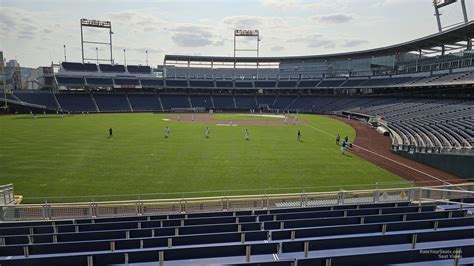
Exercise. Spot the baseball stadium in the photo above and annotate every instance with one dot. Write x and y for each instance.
(346, 158)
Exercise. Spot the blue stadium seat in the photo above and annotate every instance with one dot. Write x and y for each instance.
(70, 80)
(76, 102)
(79, 66)
(152, 83)
(201, 83)
(139, 69)
(144, 102)
(112, 68)
(126, 81)
(45, 98)
(176, 83)
(99, 81)
(174, 101)
(112, 102)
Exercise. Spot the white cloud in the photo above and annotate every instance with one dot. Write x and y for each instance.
(314, 41)
(333, 18)
(35, 33)
(280, 4)
(353, 43)
(278, 48)
(253, 22)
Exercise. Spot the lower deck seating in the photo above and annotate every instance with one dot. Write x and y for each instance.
(112, 103)
(76, 102)
(201, 101)
(41, 98)
(174, 101)
(245, 101)
(144, 102)
(369, 234)
(224, 101)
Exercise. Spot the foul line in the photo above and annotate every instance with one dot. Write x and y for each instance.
(384, 157)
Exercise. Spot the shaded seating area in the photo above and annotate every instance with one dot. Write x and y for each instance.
(70, 66)
(245, 101)
(45, 98)
(224, 101)
(70, 81)
(112, 102)
(152, 83)
(174, 101)
(99, 82)
(112, 68)
(76, 102)
(144, 102)
(138, 69)
(201, 101)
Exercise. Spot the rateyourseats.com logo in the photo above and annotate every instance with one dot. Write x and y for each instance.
(443, 253)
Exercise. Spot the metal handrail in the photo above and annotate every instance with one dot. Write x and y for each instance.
(182, 194)
(77, 210)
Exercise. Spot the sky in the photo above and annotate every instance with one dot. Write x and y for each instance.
(34, 32)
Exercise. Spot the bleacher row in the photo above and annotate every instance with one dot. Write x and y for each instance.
(88, 67)
(439, 124)
(445, 79)
(371, 234)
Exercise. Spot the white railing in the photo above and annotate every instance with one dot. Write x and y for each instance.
(77, 210)
(7, 195)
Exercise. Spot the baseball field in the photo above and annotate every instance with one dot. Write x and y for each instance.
(73, 158)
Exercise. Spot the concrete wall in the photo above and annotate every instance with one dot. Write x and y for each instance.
(460, 165)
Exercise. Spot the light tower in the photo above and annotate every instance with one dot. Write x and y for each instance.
(246, 34)
(438, 4)
(90, 23)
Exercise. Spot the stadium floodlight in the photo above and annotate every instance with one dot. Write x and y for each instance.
(92, 23)
(442, 3)
(247, 33)
(438, 4)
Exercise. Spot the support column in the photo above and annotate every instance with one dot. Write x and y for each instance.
(464, 11)
(437, 15)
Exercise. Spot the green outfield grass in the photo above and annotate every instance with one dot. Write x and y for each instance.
(72, 156)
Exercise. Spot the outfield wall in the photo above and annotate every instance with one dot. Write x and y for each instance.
(460, 165)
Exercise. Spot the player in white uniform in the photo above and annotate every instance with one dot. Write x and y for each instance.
(167, 132)
(207, 132)
(246, 134)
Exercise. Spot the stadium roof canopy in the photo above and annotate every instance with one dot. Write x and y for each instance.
(431, 43)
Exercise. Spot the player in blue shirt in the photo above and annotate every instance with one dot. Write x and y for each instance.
(343, 146)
